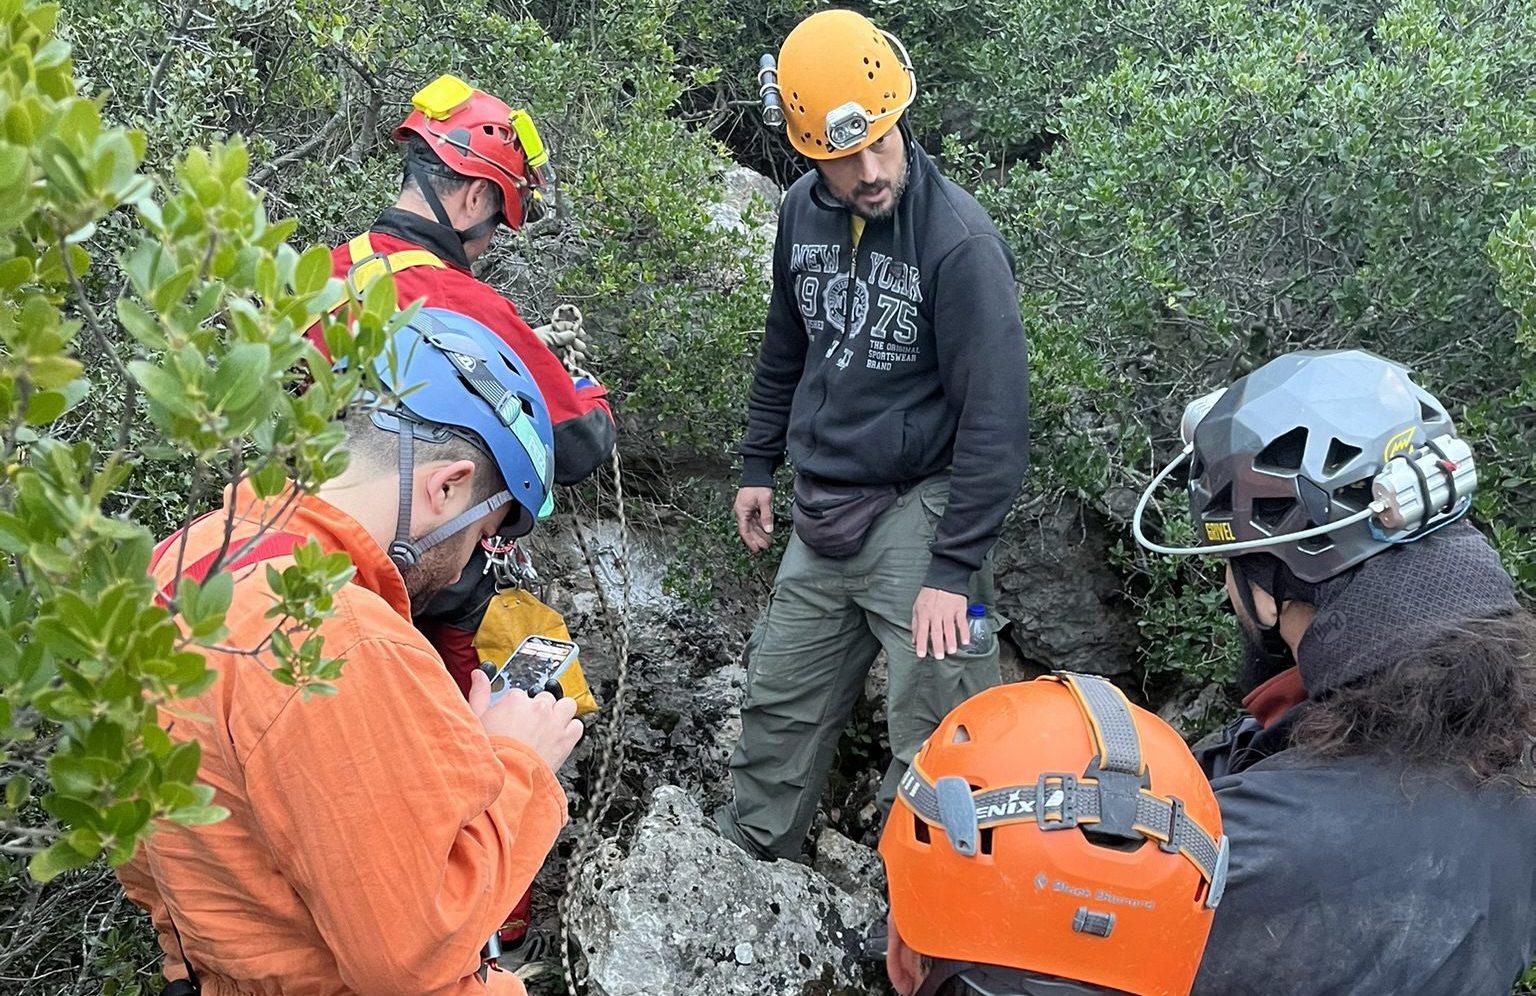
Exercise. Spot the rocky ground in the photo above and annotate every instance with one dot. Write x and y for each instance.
(662, 904)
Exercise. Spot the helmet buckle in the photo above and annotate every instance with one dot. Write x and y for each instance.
(1119, 792)
(1175, 821)
(1056, 801)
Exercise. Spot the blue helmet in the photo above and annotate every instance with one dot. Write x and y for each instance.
(448, 375)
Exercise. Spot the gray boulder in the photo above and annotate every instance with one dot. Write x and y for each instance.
(686, 913)
(1066, 603)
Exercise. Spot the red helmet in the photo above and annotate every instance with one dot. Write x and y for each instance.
(477, 135)
(1051, 828)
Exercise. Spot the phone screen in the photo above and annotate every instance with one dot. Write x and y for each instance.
(537, 659)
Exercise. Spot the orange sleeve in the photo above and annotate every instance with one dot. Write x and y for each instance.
(139, 885)
(404, 830)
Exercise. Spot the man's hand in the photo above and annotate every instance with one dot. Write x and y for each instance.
(938, 619)
(543, 723)
(754, 518)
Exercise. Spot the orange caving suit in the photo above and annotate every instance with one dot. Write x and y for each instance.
(376, 837)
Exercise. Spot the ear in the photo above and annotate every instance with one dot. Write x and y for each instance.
(445, 487)
(902, 964)
(478, 196)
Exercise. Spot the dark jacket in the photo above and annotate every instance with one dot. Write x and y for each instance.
(1360, 877)
(920, 367)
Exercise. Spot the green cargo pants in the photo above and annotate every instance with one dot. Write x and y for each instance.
(807, 660)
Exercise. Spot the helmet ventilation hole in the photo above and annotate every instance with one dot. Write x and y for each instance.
(795, 95)
(1269, 513)
(1220, 503)
(962, 735)
(1354, 497)
(1429, 414)
(866, 60)
(1284, 453)
(1340, 453)
(920, 831)
(986, 841)
(871, 74)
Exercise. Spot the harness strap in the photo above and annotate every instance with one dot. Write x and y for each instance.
(269, 547)
(369, 265)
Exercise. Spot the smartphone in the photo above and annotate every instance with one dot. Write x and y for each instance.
(535, 666)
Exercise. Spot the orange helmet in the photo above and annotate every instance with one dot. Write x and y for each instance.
(1052, 828)
(476, 135)
(843, 84)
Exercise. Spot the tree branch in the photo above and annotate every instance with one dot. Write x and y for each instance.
(152, 100)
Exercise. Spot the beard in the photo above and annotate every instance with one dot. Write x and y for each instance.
(436, 570)
(896, 187)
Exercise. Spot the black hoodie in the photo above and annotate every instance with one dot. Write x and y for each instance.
(922, 367)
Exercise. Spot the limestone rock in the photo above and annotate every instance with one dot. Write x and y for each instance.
(686, 913)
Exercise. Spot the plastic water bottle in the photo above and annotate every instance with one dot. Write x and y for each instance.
(983, 640)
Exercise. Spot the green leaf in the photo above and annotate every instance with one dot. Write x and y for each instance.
(70, 811)
(59, 858)
(17, 791)
(198, 816)
(13, 164)
(240, 378)
(181, 765)
(45, 407)
(140, 323)
(313, 271)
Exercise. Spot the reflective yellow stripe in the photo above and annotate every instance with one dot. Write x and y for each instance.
(368, 266)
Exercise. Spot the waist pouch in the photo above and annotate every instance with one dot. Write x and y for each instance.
(834, 519)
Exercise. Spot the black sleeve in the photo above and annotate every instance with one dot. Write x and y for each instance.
(582, 445)
(779, 365)
(984, 366)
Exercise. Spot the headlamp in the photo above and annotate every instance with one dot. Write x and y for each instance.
(541, 175)
(847, 124)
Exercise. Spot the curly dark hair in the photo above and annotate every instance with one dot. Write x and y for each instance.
(1466, 700)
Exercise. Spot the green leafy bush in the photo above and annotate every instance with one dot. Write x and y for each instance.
(1278, 176)
(204, 337)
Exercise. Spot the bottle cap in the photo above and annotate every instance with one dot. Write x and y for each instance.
(977, 611)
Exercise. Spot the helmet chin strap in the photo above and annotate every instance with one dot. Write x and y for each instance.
(403, 550)
(1273, 653)
(479, 230)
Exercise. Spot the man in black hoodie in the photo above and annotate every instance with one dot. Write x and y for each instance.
(894, 372)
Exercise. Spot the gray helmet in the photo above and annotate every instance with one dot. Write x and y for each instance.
(1296, 444)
